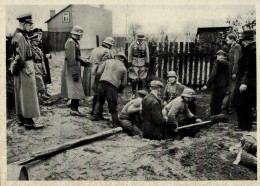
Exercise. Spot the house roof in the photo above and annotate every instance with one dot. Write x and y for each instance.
(212, 29)
(58, 13)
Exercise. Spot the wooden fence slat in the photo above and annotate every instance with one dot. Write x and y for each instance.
(201, 70)
(206, 66)
(195, 78)
(185, 63)
(170, 56)
(191, 64)
(175, 54)
(165, 60)
(160, 60)
(180, 62)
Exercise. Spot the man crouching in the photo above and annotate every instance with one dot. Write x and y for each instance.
(177, 113)
(130, 118)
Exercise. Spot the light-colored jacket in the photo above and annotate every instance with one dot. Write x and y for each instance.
(114, 72)
(69, 88)
(138, 50)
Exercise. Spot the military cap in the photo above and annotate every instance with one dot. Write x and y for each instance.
(77, 30)
(248, 35)
(188, 92)
(221, 52)
(156, 83)
(121, 54)
(142, 93)
(232, 36)
(25, 18)
(109, 40)
(37, 30)
(140, 36)
(35, 37)
(172, 74)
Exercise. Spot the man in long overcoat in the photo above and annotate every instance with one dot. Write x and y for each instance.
(71, 83)
(90, 81)
(26, 99)
(153, 121)
(244, 97)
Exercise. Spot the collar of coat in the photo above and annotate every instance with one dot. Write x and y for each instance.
(74, 40)
(23, 32)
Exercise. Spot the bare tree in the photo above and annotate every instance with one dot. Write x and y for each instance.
(163, 28)
(190, 32)
(134, 27)
(241, 22)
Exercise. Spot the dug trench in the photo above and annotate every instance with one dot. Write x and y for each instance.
(122, 157)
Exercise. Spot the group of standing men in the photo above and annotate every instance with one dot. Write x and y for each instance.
(233, 80)
(30, 69)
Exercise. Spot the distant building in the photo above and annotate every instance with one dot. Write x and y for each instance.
(211, 34)
(93, 20)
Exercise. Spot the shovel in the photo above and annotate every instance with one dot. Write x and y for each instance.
(17, 171)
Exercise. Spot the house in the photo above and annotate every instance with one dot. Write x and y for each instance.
(208, 35)
(93, 20)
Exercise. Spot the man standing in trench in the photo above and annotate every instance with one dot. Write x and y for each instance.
(138, 60)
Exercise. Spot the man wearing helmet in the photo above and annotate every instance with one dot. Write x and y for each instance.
(138, 60)
(90, 80)
(177, 112)
(71, 83)
(173, 89)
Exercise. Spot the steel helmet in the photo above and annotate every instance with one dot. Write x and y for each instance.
(77, 30)
(109, 40)
(172, 74)
(188, 92)
(156, 83)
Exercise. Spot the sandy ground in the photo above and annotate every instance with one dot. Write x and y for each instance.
(121, 157)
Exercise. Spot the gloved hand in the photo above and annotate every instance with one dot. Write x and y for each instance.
(75, 77)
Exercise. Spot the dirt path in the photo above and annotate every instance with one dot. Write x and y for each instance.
(121, 157)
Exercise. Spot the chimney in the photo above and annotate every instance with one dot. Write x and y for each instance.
(52, 13)
(102, 6)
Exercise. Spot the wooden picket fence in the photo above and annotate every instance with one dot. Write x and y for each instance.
(192, 63)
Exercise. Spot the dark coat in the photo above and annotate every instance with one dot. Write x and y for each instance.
(246, 75)
(233, 57)
(153, 121)
(219, 77)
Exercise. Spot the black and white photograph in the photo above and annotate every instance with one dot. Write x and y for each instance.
(131, 92)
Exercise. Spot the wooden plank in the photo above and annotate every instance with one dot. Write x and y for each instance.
(175, 54)
(201, 70)
(191, 59)
(160, 60)
(170, 55)
(165, 60)
(185, 62)
(195, 80)
(180, 73)
(126, 49)
(97, 40)
(206, 66)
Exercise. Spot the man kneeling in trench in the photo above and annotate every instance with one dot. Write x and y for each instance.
(178, 114)
(130, 116)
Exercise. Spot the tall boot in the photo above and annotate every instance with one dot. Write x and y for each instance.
(115, 121)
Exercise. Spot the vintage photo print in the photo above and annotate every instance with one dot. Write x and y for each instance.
(130, 92)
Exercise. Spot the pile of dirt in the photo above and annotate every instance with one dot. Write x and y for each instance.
(121, 157)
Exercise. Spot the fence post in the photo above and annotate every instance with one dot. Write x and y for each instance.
(180, 62)
(165, 60)
(160, 60)
(170, 55)
(97, 40)
(201, 57)
(206, 66)
(191, 64)
(195, 84)
(175, 54)
(185, 64)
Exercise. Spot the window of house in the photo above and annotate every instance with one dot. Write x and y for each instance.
(66, 17)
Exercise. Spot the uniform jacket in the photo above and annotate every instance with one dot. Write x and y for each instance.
(114, 72)
(69, 88)
(177, 108)
(135, 102)
(26, 98)
(233, 57)
(152, 117)
(90, 81)
(219, 77)
(136, 50)
(38, 57)
(172, 91)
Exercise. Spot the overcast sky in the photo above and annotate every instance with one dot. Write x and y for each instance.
(151, 17)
